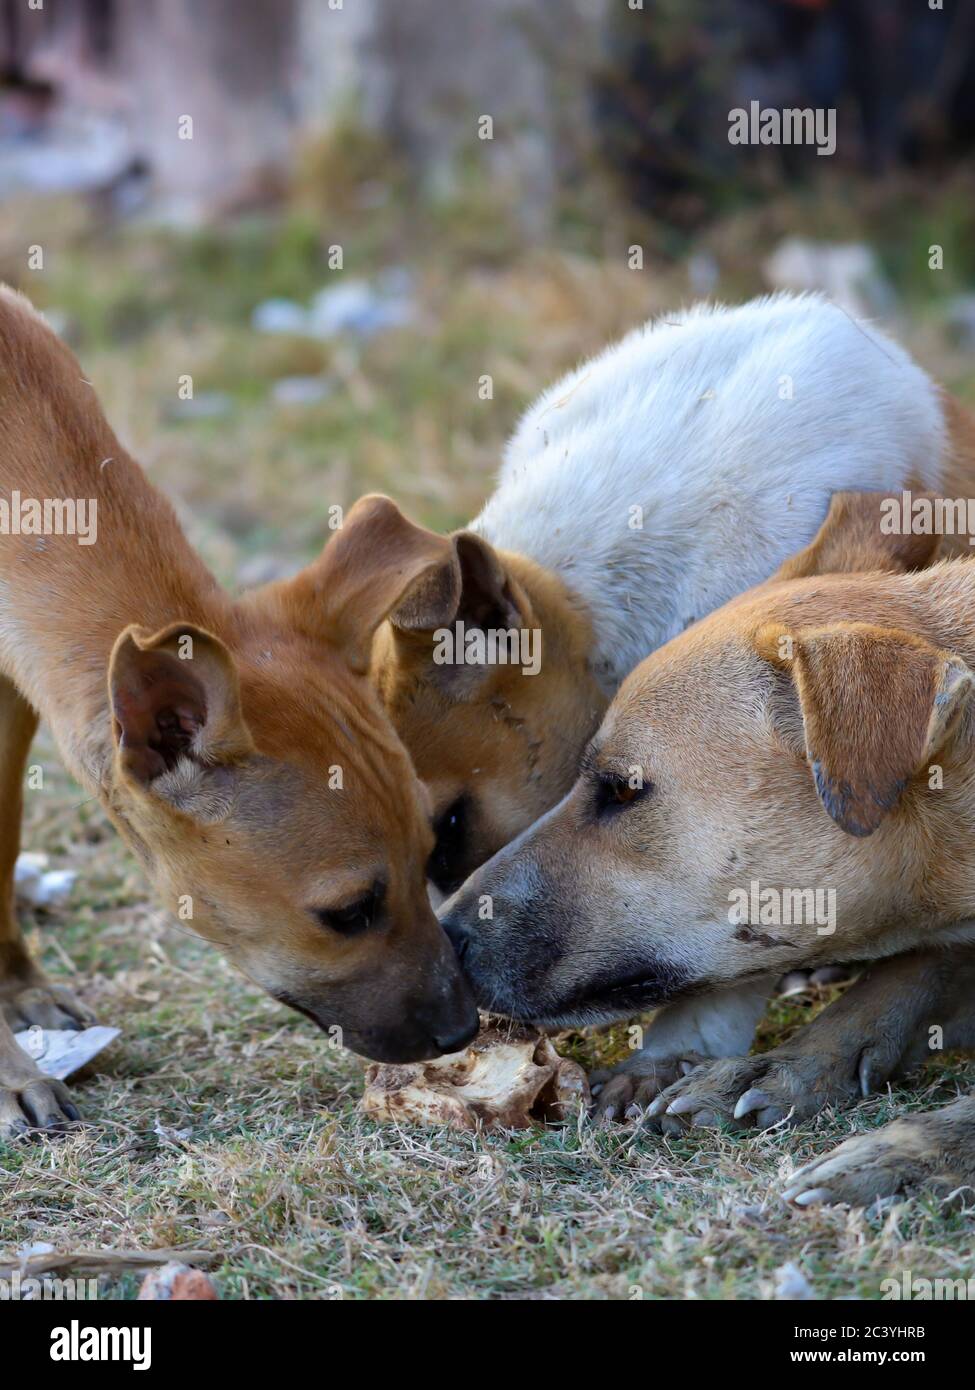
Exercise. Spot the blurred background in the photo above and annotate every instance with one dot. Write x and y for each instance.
(288, 238)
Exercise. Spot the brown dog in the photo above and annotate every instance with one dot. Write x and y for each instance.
(238, 748)
(789, 782)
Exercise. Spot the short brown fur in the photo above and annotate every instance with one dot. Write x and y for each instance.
(238, 747)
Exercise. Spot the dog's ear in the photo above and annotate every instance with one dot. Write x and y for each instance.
(487, 596)
(856, 538)
(175, 701)
(380, 565)
(876, 706)
(376, 562)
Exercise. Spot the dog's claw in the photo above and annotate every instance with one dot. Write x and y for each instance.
(34, 1107)
(865, 1075)
(632, 1090)
(753, 1099)
(798, 1185)
(682, 1105)
(813, 1197)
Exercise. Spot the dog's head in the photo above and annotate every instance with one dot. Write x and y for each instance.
(771, 789)
(498, 743)
(258, 778)
(491, 692)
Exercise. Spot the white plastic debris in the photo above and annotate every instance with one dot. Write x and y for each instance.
(354, 307)
(280, 316)
(27, 875)
(37, 886)
(60, 1053)
(54, 888)
(361, 309)
(791, 1283)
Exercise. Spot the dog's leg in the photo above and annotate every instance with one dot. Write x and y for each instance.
(935, 1150)
(881, 1027)
(28, 1100)
(680, 1037)
(26, 996)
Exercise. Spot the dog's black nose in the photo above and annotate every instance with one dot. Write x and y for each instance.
(456, 1041)
(457, 935)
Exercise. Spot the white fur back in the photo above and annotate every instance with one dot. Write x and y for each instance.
(690, 419)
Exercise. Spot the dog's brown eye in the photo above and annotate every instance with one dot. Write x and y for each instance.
(624, 793)
(620, 791)
(356, 916)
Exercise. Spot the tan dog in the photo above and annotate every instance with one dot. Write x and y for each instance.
(238, 748)
(789, 782)
(649, 486)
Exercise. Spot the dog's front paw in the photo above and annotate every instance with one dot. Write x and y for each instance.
(627, 1090)
(932, 1150)
(38, 1003)
(782, 1085)
(29, 1101)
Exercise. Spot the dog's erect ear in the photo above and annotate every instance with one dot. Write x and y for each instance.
(378, 561)
(876, 706)
(175, 698)
(855, 538)
(487, 596)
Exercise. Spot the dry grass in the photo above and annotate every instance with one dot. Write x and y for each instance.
(220, 1121)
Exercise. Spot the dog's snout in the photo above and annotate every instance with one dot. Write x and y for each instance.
(461, 1037)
